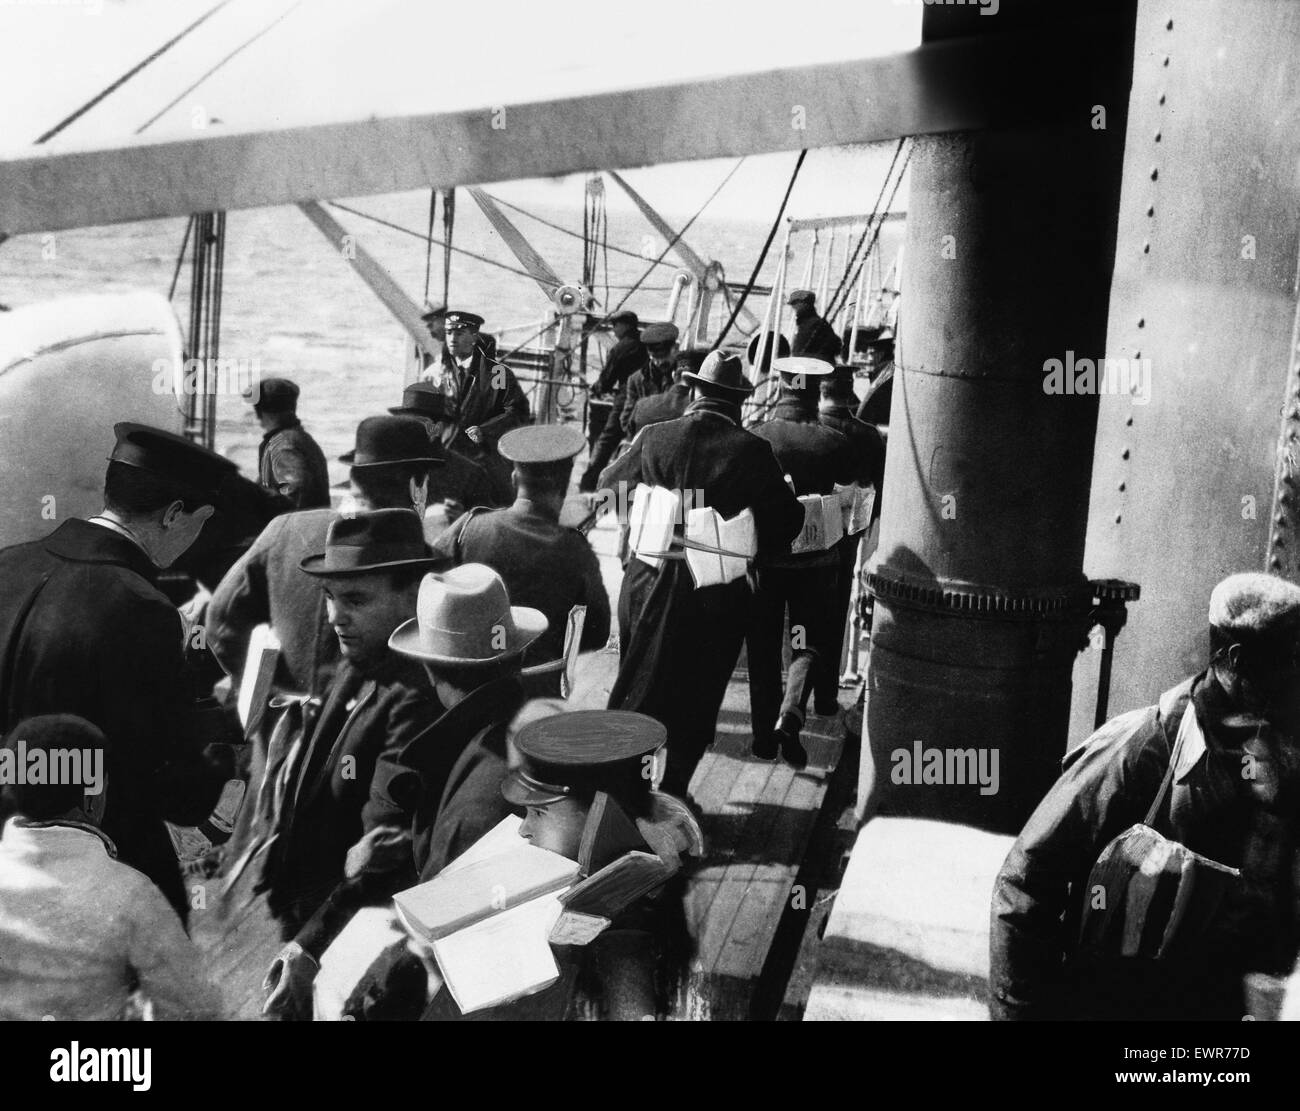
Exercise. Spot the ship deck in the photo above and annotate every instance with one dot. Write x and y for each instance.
(748, 902)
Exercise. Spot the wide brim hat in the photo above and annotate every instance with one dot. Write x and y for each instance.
(383, 441)
(423, 399)
(722, 371)
(580, 752)
(381, 540)
(463, 618)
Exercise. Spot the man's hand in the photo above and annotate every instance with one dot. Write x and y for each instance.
(383, 849)
(288, 983)
(474, 433)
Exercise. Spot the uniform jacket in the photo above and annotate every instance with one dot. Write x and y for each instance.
(291, 463)
(487, 395)
(544, 564)
(625, 358)
(1108, 784)
(84, 630)
(866, 441)
(78, 925)
(267, 586)
(814, 456)
(650, 381)
(450, 777)
(462, 480)
(880, 396)
(329, 806)
(814, 337)
(668, 405)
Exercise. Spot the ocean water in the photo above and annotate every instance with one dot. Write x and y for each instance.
(291, 303)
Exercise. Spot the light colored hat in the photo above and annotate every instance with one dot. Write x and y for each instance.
(464, 617)
(1253, 602)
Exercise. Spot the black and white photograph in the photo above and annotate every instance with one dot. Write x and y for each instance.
(692, 512)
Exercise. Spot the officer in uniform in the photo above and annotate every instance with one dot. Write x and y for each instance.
(880, 394)
(661, 347)
(813, 336)
(545, 565)
(679, 644)
(486, 400)
(289, 461)
(85, 630)
(626, 357)
(460, 483)
(815, 458)
(836, 411)
(565, 762)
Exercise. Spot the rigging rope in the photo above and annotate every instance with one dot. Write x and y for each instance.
(128, 75)
(876, 221)
(238, 50)
(753, 277)
(568, 231)
(674, 240)
(180, 258)
(879, 224)
(459, 250)
(428, 247)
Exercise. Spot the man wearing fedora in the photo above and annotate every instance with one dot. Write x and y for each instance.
(320, 797)
(880, 394)
(544, 564)
(679, 645)
(459, 483)
(657, 375)
(470, 640)
(813, 336)
(85, 630)
(804, 585)
(389, 468)
(289, 462)
(625, 358)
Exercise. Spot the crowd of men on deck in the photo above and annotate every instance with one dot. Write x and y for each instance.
(418, 629)
(426, 631)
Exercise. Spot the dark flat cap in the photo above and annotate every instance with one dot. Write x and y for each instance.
(275, 395)
(434, 312)
(801, 297)
(659, 333)
(624, 316)
(541, 443)
(171, 456)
